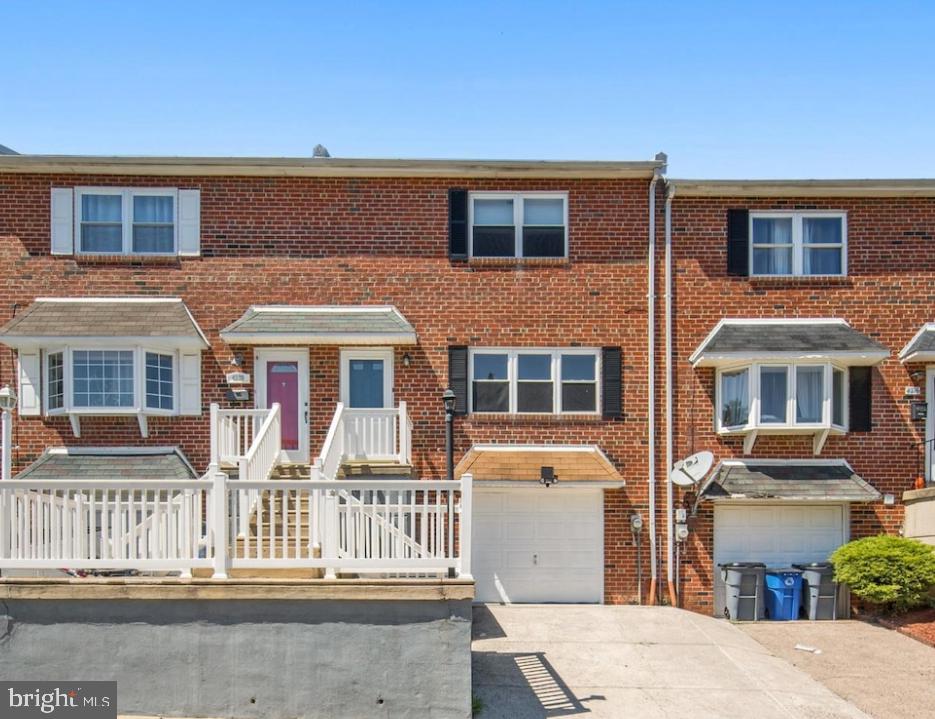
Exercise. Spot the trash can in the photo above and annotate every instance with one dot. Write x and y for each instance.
(819, 589)
(743, 591)
(783, 593)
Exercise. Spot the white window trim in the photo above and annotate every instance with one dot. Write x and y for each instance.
(518, 199)
(797, 239)
(513, 353)
(754, 420)
(128, 193)
(348, 354)
(139, 384)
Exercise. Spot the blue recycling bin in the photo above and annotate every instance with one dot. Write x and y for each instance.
(783, 593)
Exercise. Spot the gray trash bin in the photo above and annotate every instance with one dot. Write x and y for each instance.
(743, 591)
(820, 593)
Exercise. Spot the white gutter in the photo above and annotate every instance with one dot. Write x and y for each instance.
(651, 389)
(670, 459)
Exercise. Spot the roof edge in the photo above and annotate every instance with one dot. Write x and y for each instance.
(326, 167)
(922, 187)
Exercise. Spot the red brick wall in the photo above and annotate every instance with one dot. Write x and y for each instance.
(887, 295)
(367, 241)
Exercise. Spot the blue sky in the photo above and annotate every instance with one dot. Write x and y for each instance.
(745, 89)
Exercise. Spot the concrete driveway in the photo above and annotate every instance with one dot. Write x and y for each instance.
(640, 662)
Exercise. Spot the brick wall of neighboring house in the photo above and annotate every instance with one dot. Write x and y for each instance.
(368, 241)
(888, 294)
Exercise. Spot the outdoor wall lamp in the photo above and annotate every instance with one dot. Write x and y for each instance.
(407, 359)
(7, 403)
(547, 476)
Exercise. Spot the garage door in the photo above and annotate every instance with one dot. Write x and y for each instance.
(538, 545)
(775, 534)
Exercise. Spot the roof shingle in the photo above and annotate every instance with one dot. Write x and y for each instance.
(793, 480)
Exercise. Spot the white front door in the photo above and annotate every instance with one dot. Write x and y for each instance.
(538, 545)
(282, 376)
(367, 378)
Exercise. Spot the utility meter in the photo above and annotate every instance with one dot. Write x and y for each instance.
(636, 523)
(681, 532)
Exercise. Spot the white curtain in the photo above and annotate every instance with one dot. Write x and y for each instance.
(772, 251)
(809, 393)
(773, 394)
(735, 398)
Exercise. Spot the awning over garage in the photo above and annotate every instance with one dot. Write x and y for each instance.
(320, 325)
(788, 480)
(519, 465)
(110, 463)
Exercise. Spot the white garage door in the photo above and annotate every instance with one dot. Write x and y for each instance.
(538, 545)
(777, 534)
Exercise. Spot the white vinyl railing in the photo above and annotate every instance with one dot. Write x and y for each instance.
(352, 526)
(367, 434)
(114, 524)
(233, 432)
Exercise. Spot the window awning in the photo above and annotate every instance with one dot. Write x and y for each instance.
(740, 340)
(110, 463)
(101, 321)
(788, 480)
(521, 465)
(921, 348)
(320, 325)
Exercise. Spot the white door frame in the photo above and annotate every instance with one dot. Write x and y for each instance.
(260, 359)
(383, 353)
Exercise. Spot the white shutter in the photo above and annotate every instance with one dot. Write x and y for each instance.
(190, 383)
(190, 222)
(63, 221)
(29, 383)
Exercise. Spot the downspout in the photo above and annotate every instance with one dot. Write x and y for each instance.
(670, 460)
(651, 378)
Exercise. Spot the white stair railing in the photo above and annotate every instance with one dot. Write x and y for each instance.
(377, 434)
(233, 432)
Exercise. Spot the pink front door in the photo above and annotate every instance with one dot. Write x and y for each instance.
(282, 385)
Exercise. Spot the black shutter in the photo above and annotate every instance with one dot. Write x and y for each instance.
(861, 399)
(457, 224)
(458, 377)
(738, 242)
(611, 383)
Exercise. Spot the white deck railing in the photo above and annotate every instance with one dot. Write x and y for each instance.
(366, 434)
(233, 431)
(353, 526)
(113, 524)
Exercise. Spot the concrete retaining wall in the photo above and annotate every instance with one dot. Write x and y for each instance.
(250, 658)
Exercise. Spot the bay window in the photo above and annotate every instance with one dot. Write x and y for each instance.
(111, 381)
(534, 381)
(798, 243)
(126, 221)
(518, 224)
(782, 397)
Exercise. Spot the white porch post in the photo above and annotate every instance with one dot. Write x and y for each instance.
(464, 527)
(215, 456)
(404, 439)
(7, 431)
(219, 516)
(330, 538)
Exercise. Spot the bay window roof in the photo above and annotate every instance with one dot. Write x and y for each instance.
(320, 325)
(830, 480)
(739, 340)
(110, 463)
(920, 348)
(102, 320)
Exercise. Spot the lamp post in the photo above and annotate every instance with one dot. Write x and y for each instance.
(449, 399)
(7, 403)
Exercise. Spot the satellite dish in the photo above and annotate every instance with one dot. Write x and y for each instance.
(691, 470)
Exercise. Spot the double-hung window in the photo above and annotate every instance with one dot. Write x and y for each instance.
(519, 224)
(798, 243)
(126, 221)
(782, 396)
(534, 381)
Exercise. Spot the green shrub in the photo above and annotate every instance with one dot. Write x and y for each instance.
(893, 573)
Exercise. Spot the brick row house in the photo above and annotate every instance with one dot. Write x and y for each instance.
(151, 300)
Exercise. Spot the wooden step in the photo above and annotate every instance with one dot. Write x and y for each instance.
(366, 469)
